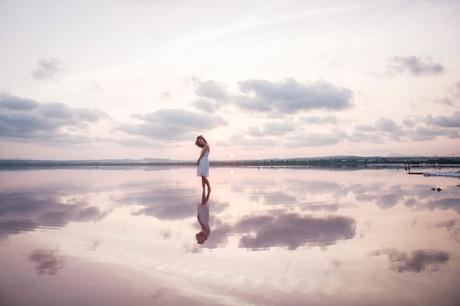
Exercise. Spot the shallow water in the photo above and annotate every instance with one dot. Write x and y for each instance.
(278, 237)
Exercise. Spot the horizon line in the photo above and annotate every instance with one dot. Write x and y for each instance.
(247, 159)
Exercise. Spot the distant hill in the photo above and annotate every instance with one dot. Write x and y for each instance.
(91, 161)
(325, 161)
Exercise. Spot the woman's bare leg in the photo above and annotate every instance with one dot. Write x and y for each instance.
(207, 184)
(203, 197)
(203, 182)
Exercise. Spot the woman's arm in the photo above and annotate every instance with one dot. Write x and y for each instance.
(202, 153)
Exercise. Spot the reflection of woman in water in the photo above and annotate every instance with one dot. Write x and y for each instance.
(203, 219)
(203, 165)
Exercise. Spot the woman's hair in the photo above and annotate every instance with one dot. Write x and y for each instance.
(200, 145)
(201, 237)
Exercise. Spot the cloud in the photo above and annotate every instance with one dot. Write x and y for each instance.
(452, 121)
(409, 123)
(419, 129)
(47, 261)
(386, 125)
(418, 261)
(445, 101)
(273, 197)
(25, 119)
(13, 227)
(316, 139)
(163, 202)
(445, 203)
(424, 133)
(452, 96)
(317, 187)
(455, 90)
(304, 193)
(293, 230)
(387, 200)
(359, 136)
(28, 210)
(452, 226)
(47, 68)
(13, 103)
(318, 120)
(166, 202)
(272, 128)
(319, 207)
(449, 224)
(290, 97)
(212, 95)
(263, 191)
(287, 230)
(383, 197)
(212, 90)
(412, 65)
(206, 105)
(365, 128)
(409, 130)
(241, 139)
(172, 124)
(274, 98)
(417, 196)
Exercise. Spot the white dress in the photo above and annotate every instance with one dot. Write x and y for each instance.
(203, 166)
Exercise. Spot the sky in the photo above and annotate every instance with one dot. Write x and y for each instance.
(258, 79)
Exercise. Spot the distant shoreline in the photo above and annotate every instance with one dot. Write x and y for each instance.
(348, 162)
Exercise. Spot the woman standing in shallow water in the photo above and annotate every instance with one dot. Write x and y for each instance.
(203, 166)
